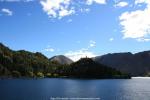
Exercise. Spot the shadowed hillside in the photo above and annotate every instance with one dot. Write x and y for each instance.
(136, 64)
(87, 68)
(27, 64)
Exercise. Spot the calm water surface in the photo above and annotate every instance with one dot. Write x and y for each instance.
(45, 89)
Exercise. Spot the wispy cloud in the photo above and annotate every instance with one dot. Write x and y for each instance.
(136, 24)
(62, 8)
(90, 2)
(92, 43)
(49, 49)
(7, 11)
(84, 10)
(111, 39)
(121, 4)
(69, 20)
(16, 0)
(82, 53)
(57, 8)
(143, 40)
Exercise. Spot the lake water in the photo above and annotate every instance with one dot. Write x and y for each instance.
(67, 89)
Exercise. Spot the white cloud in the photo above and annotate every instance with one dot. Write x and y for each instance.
(90, 2)
(142, 1)
(84, 10)
(111, 39)
(62, 8)
(9, 0)
(69, 20)
(82, 53)
(121, 4)
(76, 55)
(65, 12)
(49, 49)
(16, 0)
(143, 40)
(136, 24)
(57, 8)
(92, 43)
(7, 11)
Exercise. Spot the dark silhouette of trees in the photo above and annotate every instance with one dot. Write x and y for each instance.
(87, 68)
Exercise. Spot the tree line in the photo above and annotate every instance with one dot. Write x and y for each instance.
(27, 64)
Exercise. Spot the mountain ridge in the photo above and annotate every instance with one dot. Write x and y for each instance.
(23, 63)
(137, 64)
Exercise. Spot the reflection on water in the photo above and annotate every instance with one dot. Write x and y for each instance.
(44, 89)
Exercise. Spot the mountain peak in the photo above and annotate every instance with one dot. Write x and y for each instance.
(61, 59)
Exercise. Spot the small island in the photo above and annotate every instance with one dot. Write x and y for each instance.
(20, 64)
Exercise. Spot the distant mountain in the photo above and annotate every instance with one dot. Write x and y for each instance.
(136, 64)
(61, 59)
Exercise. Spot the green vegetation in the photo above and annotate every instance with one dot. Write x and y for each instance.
(147, 74)
(40, 74)
(48, 75)
(87, 68)
(27, 64)
(16, 74)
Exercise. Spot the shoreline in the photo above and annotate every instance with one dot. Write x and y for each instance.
(62, 78)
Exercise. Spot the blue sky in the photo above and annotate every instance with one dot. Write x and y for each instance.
(75, 28)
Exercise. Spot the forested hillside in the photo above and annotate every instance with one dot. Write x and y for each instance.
(27, 64)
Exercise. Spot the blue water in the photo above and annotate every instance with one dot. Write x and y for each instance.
(46, 89)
